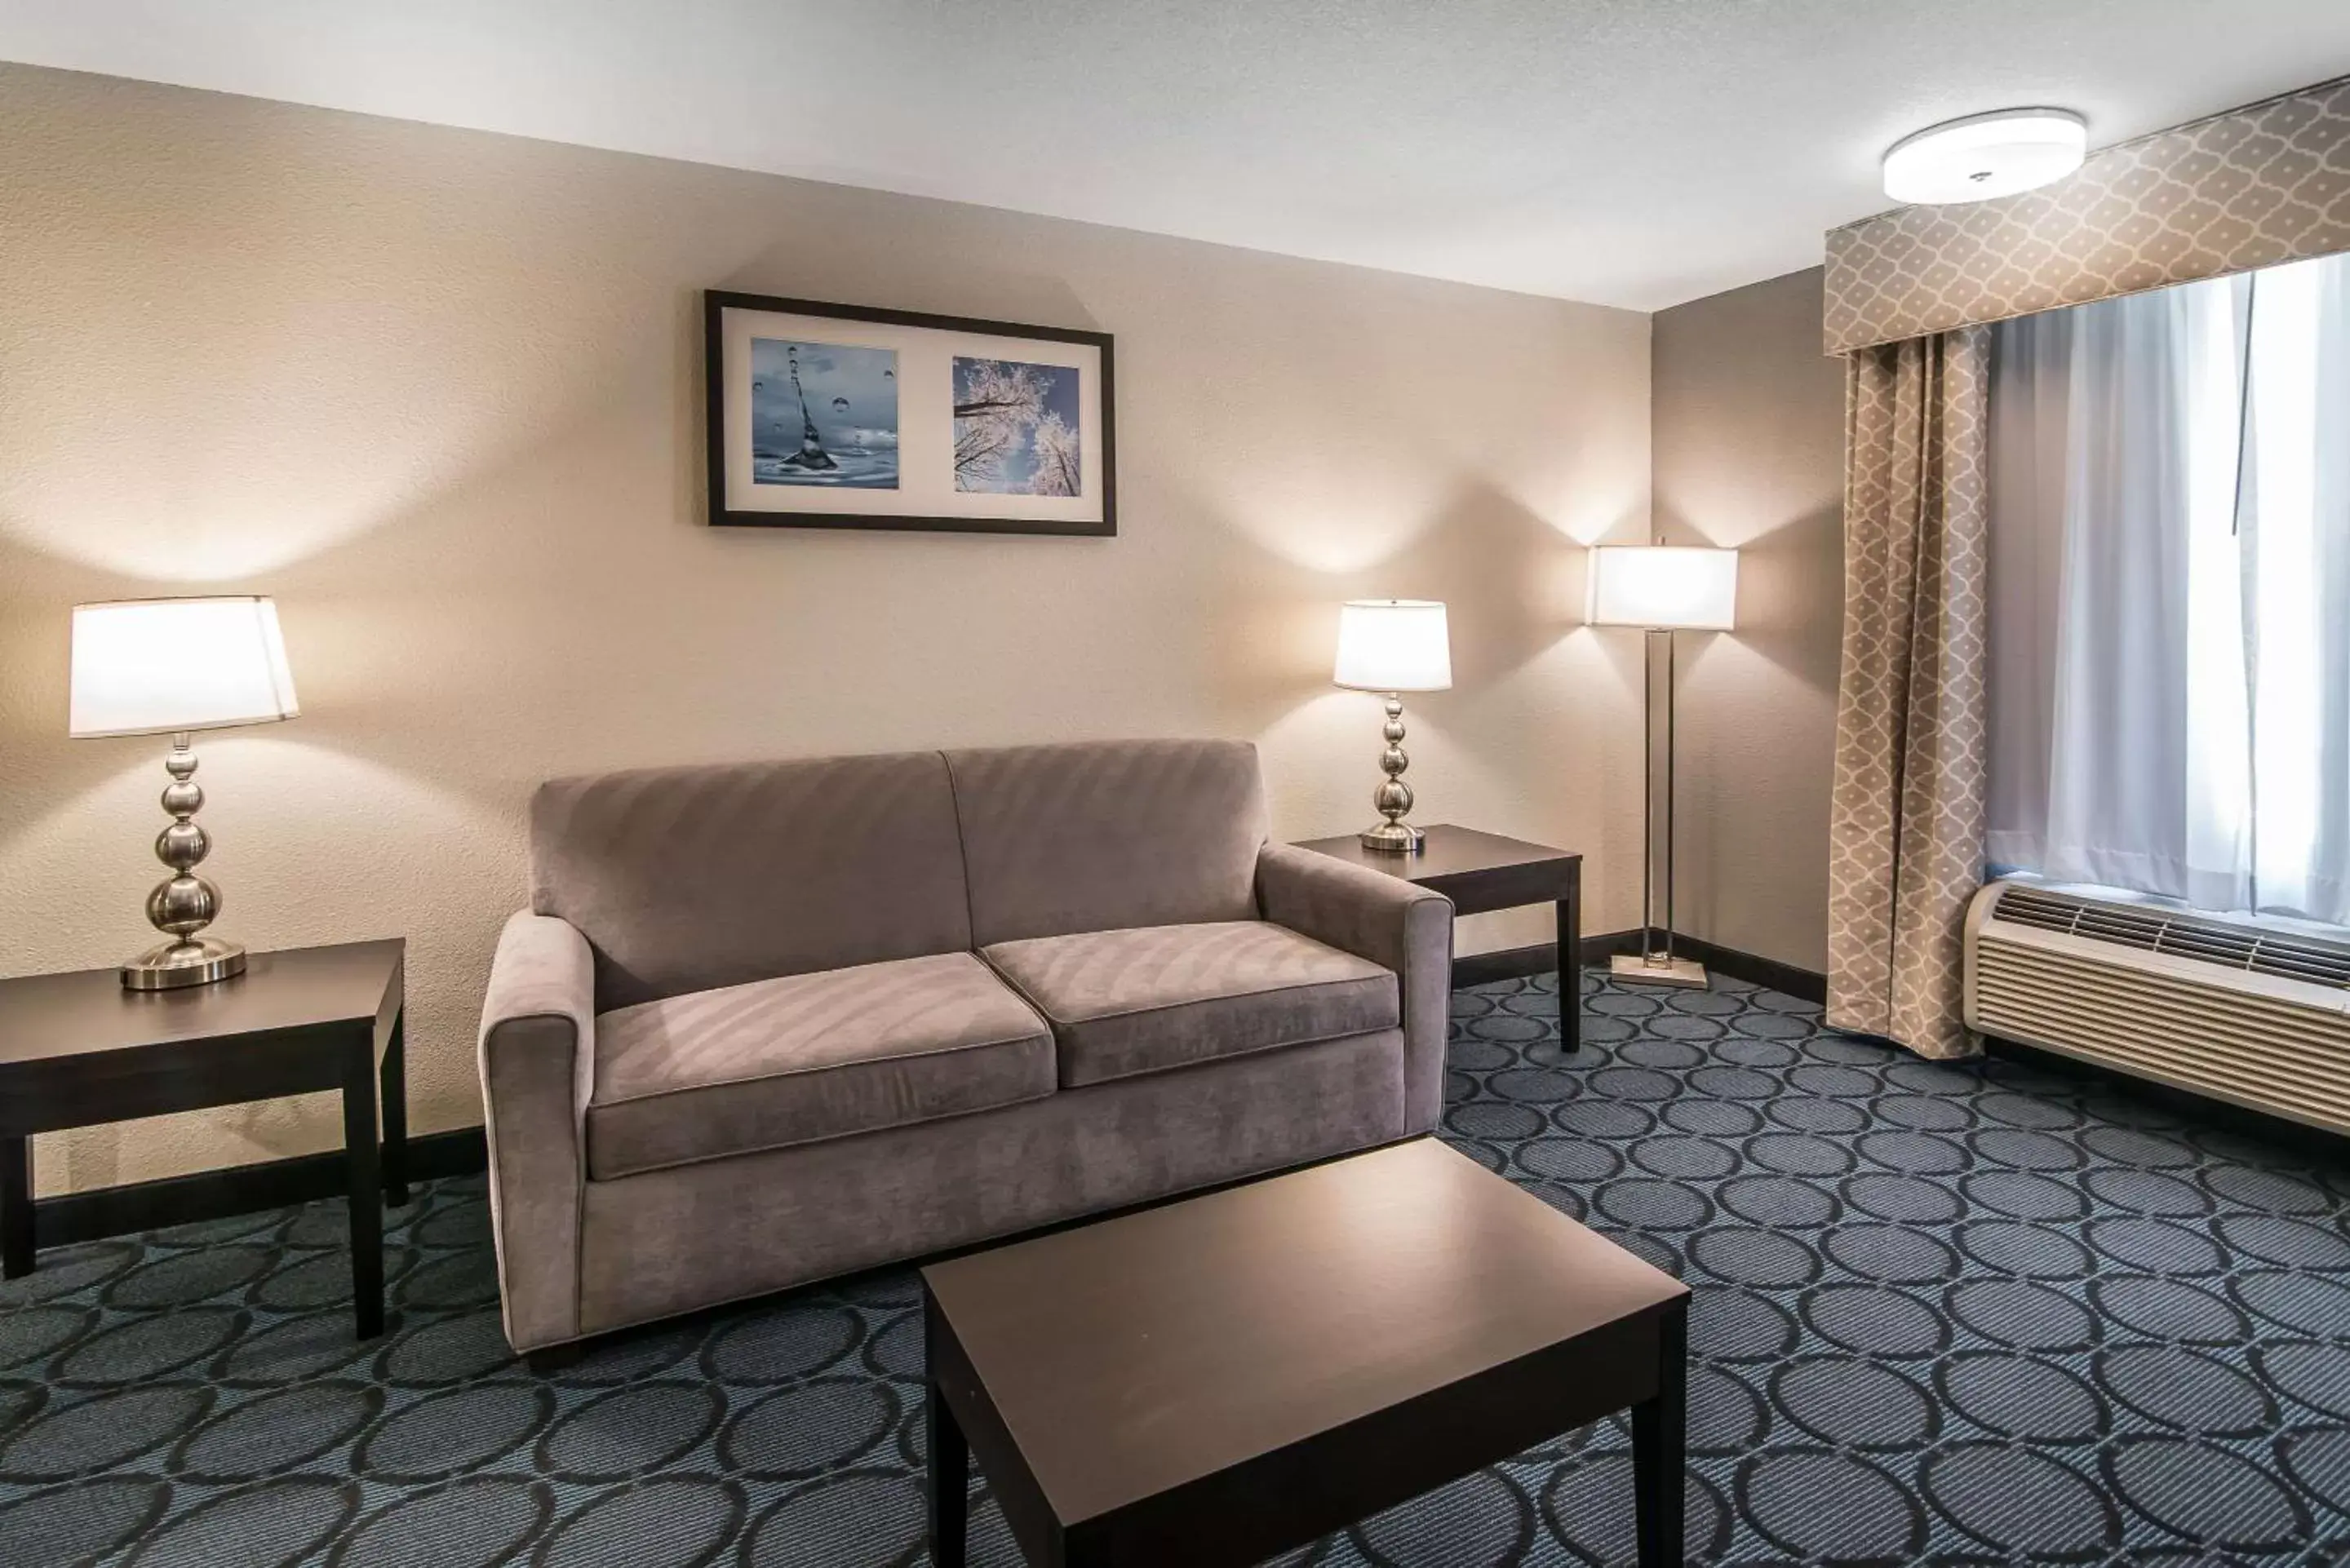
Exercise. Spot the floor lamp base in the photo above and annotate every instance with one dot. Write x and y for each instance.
(1657, 970)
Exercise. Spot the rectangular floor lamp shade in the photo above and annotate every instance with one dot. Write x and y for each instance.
(1662, 589)
(169, 667)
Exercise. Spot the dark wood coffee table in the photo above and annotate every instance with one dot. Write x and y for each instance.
(1481, 872)
(1223, 1378)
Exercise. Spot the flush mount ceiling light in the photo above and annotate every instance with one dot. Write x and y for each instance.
(1986, 155)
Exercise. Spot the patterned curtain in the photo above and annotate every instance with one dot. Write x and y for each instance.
(1906, 828)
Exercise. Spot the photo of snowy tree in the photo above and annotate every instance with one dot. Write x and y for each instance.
(1016, 428)
(825, 415)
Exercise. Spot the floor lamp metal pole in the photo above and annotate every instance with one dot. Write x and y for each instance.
(1652, 966)
(1672, 752)
(1649, 793)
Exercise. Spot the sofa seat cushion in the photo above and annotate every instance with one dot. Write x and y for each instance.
(782, 1061)
(1155, 997)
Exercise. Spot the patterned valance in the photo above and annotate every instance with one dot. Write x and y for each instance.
(2266, 184)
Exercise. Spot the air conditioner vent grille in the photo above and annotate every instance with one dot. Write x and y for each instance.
(2155, 929)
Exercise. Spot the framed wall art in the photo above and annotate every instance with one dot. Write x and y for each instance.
(832, 416)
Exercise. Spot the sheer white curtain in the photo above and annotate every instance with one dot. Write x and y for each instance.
(2170, 593)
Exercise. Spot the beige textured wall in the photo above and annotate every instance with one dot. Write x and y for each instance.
(436, 391)
(1749, 451)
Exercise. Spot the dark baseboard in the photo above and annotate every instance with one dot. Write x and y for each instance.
(1515, 963)
(240, 1189)
(1808, 985)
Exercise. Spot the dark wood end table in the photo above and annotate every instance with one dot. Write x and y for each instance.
(1481, 872)
(1227, 1377)
(77, 1049)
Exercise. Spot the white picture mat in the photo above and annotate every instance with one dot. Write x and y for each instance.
(926, 357)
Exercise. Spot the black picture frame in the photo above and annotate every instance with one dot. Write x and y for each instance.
(716, 303)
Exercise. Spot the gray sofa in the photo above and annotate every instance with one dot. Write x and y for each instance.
(771, 1023)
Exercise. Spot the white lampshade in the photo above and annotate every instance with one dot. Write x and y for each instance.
(1393, 645)
(149, 667)
(1986, 155)
(1664, 587)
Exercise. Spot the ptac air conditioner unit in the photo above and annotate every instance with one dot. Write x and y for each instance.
(2223, 1007)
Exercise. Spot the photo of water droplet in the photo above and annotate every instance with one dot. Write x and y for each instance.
(801, 409)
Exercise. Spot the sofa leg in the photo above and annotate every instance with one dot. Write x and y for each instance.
(554, 1360)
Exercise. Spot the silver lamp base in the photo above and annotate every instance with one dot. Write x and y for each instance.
(182, 904)
(1393, 839)
(1657, 970)
(198, 961)
(1393, 797)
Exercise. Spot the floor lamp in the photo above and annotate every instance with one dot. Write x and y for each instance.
(1662, 589)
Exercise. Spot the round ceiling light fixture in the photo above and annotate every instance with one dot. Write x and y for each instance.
(1986, 155)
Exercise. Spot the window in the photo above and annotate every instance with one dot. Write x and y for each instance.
(2170, 599)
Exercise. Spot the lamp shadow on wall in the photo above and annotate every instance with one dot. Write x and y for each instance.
(186, 519)
(1513, 581)
(1790, 581)
(384, 619)
(331, 523)
(368, 621)
(351, 553)
(103, 821)
(1780, 669)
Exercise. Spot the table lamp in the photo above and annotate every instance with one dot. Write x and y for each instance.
(1391, 647)
(167, 667)
(1662, 589)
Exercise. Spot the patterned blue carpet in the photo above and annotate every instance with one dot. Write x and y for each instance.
(1971, 1314)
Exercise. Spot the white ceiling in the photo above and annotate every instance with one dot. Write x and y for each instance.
(1632, 152)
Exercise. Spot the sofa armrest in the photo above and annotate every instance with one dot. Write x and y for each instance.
(1392, 923)
(538, 1068)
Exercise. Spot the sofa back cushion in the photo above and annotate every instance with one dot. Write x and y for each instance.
(684, 878)
(1104, 835)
